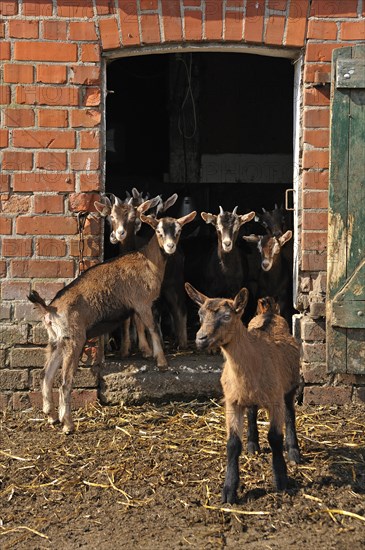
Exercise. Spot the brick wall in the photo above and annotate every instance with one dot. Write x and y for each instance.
(50, 143)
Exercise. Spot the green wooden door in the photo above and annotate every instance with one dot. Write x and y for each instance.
(346, 225)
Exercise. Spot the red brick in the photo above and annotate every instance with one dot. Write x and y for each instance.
(23, 29)
(48, 204)
(314, 261)
(79, 398)
(150, 29)
(149, 5)
(55, 74)
(109, 34)
(75, 8)
(4, 138)
(128, 22)
(316, 118)
(214, 20)
(47, 290)
(92, 97)
(19, 117)
(36, 51)
(83, 201)
(310, 70)
(8, 7)
(84, 161)
(13, 204)
(51, 247)
(89, 139)
(14, 290)
(314, 241)
(53, 118)
(105, 7)
(3, 269)
(315, 220)
(171, 20)
(12, 247)
(297, 23)
(85, 118)
(322, 30)
(315, 179)
(42, 268)
(353, 31)
(193, 25)
(90, 182)
(192, 3)
(45, 182)
(317, 96)
(274, 30)
(5, 226)
(85, 75)
(279, 5)
(317, 138)
(315, 158)
(2, 30)
(91, 248)
(47, 95)
(44, 139)
(51, 161)
(4, 183)
(46, 225)
(254, 21)
(37, 8)
(18, 74)
(333, 8)
(82, 30)
(5, 95)
(4, 50)
(90, 53)
(321, 51)
(315, 199)
(234, 25)
(54, 30)
(17, 160)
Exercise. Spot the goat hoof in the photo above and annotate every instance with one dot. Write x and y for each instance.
(294, 456)
(67, 430)
(162, 368)
(253, 448)
(53, 420)
(281, 483)
(229, 496)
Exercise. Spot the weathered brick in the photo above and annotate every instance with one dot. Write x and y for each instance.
(12, 247)
(75, 9)
(91, 247)
(313, 331)
(48, 204)
(314, 373)
(42, 268)
(90, 182)
(5, 95)
(54, 96)
(297, 23)
(322, 30)
(54, 30)
(90, 139)
(4, 138)
(23, 28)
(82, 30)
(51, 247)
(359, 395)
(5, 397)
(47, 289)
(315, 220)
(85, 118)
(274, 32)
(84, 161)
(317, 309)
(316, 138)
(84, 74)
(39, 139)
(39, 333)
(129, 22)
(8, 7)
(20, 117)
(314, 353)
(11, 335)
(317, 395)
(91, 97)
(172, 21)
(53, 118)
(56, 74)
(14, 290)
(84, 378)
(5, 226)
(50, 160)
(5, 312)
(3, 269)
(353, 31)
(25, 311)
(79, 398)
(27, 357)
(333, 8)
(315, 179)
(150, 28)
(193, 25)
(14, 204)
(316, 118)
(45, 182)
(46, 225)
(315, 199)
(90, 53)
(18, 73)
(109, 34)
(37, 8)
(17, 160)
(4, 50)
(315, 158)
(314, 240)
(4, 183)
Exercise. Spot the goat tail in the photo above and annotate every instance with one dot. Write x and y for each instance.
(39, 302)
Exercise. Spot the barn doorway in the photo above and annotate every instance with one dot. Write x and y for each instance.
(216, 128)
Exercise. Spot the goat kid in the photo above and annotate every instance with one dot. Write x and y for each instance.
(97, 301)
(227, 270)
(258, 371)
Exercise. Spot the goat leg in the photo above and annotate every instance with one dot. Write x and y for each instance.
(291, 440)
(143, 344)
(276, 439)
(71, 358)
(234, 422)
(53, 362)
(253, 445)
(151, 326)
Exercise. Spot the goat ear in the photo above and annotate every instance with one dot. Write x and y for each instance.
(244, 218)
(285, 238)
(169, 202)
(148, 204)
(150, 220)
(240, 301)
(251, 238)
(195, 295)
(187, 219)
(209, 218)
(103, 209)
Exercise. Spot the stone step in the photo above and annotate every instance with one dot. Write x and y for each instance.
(134, 380)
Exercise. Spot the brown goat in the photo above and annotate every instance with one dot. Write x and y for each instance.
(258, 371)
(97, 301)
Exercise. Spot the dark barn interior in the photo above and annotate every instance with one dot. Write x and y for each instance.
(217, 128)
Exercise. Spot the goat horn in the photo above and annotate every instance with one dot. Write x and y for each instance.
(235, 210)
(263, 209)
(221, 211)
(135, 192)
(276, 207)
(128, 195)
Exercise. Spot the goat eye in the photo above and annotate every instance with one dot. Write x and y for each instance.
(227, 317)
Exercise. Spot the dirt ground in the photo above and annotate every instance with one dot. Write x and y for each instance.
(150, 477)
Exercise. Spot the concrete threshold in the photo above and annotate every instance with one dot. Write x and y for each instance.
(135, 380)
